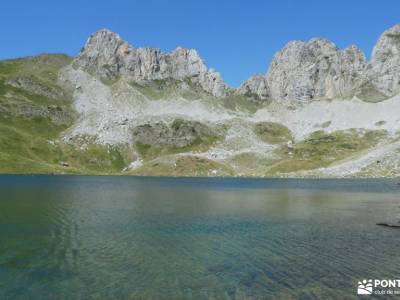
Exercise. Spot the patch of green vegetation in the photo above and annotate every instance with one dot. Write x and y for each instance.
(293, 165)
(8, 67)
(321, 149)
(28, 146)
(110, 81)
(183, 166)
(273, 133)
(326, 124)
(380, 123)
(26, 96)
(250, 164)
(338, 144)
(149, 152)
(168, 88)
(241, 103)
(44, 66)
(26, 140)
(155, 90)
(40, 72)
(101, 159)
(4, 88)
(369, 93)
(200, 144)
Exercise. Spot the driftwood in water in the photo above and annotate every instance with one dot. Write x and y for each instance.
(394, 225)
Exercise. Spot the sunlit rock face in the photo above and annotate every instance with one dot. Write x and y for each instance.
(383, 71)
(300, 72)
(256, 87)
(109, 57)
(315, 70)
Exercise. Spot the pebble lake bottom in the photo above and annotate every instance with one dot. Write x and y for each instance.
(77, 237)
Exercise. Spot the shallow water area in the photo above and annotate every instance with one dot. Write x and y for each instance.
(77, 237)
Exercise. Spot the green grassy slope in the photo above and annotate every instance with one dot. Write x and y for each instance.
(35, 111)
(322, 149)
(32, 118)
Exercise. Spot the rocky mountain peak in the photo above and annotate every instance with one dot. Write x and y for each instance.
(109, 57)
(256, 87)
(383, 71)
(302, 71)
(317, 69)
(104, 39)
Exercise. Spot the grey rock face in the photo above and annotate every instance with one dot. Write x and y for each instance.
(256, 87)
(314, 70)
(106, 55)
(180, 133)
(353, 66)
(211, 81)
(300, 72)
(383, 72)
(102, 54)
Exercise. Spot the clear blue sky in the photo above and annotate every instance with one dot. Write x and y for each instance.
(236, 37)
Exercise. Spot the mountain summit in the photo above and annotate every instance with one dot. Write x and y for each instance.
(109, 57)
(301, 71)
(318, 111)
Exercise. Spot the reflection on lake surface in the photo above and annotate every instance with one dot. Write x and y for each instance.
(153, 238)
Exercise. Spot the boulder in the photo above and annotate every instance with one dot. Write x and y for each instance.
(180, 133)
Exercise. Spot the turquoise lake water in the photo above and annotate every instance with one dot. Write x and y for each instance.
(76, 237)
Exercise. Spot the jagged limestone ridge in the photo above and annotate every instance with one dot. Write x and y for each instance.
(383, 71)
(301, 71)
(318, 70)
(109, 57)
